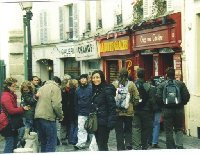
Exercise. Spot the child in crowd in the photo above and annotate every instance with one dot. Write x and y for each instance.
(28, 98)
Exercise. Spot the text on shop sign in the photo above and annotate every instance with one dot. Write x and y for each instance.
(118, 45)
(152, 38)
(85, 48)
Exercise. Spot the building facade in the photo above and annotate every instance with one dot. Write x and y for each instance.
(191, 64)
(75, 37)
(64, 41)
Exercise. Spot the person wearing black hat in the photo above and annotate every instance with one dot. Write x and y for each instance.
(82, 97)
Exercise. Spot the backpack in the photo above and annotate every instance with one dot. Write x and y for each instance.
(122, 97)
(143, 89)
(171, 93)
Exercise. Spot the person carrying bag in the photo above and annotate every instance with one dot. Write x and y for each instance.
(12, 111)
(3, 119)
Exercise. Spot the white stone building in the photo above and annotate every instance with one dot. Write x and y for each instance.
(63, 39)
(191, 46)
(63, 34)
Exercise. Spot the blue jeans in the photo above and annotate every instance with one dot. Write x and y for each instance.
(47, 132)
(73, 139)
(156, 127)
(10, 144)
(28, 123)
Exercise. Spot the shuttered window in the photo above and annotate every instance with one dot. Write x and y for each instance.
(61, 23)
(170, 5)
(98, 14)
(145, 9)
(118, 12)
(87, 16)
(43, 27)
(75, 22)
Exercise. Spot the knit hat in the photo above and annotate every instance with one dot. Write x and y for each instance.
(83, 76)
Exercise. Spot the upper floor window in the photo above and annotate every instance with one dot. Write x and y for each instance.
(87, 16)
(118, 12)
(156, 8)
(61, 24)
(70, 9)
(66, 24)
(43, 27)
(98, 15)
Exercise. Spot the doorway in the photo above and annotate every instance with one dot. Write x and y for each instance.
(167, 61)
(112, 70)
(148, 66)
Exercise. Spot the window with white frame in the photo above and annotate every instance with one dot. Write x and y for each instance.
(43, 27)
(98, 14)
(147, 8)
(75, 22)
(66, 22)
(170, 5)
(154, 7)
(118, 12)
(61, 23)
(87, 16)
(70, 12)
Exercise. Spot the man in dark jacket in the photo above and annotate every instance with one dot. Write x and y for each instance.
(143, 116)
(173, 114)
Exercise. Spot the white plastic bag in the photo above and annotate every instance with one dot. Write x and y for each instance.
(93, 144)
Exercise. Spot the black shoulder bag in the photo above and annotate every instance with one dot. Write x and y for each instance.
(91, 124)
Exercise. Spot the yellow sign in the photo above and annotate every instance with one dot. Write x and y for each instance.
(118, 45)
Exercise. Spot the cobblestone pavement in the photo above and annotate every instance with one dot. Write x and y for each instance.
(189, 143)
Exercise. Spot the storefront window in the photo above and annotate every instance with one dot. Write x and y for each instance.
(71, 67)
(95, 64)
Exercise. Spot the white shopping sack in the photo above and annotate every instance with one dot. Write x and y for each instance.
(93, 145)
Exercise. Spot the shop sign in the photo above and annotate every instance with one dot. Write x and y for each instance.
(153, 38)
(65, 51)
(130, 67)
(86, 50)
(115, 45)
(178, 66)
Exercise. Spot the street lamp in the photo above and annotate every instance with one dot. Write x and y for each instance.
(27, 6)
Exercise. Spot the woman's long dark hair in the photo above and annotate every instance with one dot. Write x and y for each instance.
(103, 81)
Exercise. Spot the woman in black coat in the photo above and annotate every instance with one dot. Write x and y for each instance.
(103, 101)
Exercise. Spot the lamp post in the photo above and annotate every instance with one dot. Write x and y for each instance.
(27, 6)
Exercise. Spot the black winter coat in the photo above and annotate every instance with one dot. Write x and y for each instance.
(103, 100)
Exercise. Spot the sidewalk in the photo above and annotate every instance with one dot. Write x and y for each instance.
(188, 141)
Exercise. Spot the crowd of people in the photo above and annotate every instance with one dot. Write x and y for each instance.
(57, 110)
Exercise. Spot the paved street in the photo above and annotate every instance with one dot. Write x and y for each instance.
(189, 143)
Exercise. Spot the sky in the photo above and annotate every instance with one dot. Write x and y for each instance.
(10, 19)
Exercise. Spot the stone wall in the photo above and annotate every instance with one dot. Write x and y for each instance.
(16, 57)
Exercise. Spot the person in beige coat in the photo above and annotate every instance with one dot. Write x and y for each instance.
(125, 110)
(47, 111)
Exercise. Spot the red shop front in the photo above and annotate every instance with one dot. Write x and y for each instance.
(115, 52)
(159, 47)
